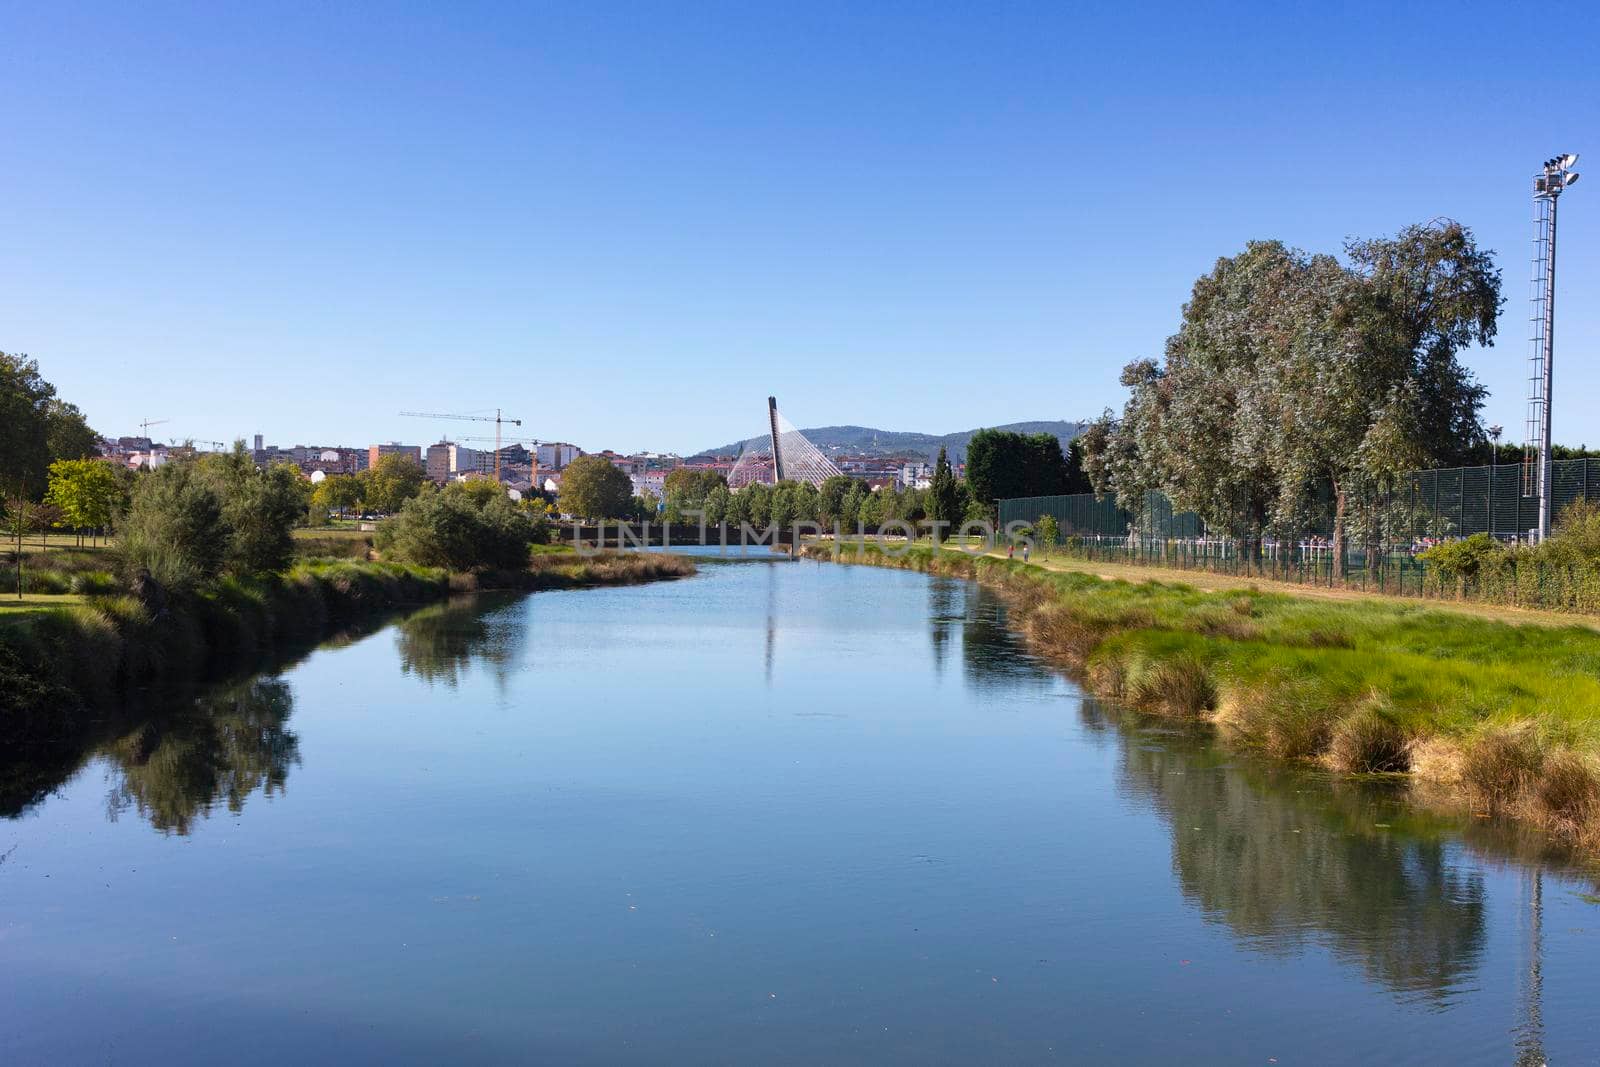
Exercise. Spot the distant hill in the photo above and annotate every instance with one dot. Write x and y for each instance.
(866, 441)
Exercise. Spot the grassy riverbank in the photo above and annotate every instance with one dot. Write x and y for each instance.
(58, 662)
(1505, 718)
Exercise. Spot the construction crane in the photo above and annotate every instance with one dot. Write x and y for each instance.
(497, 418)
(147, 423)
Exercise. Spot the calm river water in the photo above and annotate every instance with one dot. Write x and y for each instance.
(778, 812)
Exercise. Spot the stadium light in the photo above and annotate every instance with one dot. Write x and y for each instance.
(1548, 186)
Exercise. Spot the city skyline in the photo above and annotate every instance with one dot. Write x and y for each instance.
(628, 228)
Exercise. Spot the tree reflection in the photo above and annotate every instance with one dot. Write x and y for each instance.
(224, 747)
(439, 643)
(1282, 867)
(992, 654)
(947, 607)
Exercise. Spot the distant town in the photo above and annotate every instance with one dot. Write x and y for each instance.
(534, 467)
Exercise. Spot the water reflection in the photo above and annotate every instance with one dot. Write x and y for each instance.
(1282, 868)
(992, 654)
(1283, 860)
(175, 768)
(440, 643)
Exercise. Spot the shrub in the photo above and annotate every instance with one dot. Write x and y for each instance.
(461, 528)
(1463, 561)
(94, 582)
(260, 509)
(173, 529)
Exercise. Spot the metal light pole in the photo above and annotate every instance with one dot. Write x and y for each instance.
(1552, 181)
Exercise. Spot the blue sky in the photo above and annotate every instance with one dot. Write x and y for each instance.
(628, 223)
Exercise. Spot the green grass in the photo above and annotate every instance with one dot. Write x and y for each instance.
(1360, 685)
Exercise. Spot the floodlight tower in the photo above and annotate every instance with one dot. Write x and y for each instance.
(1548, 186)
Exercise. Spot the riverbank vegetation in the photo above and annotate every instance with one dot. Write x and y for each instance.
(1505, 718)
(207, 572)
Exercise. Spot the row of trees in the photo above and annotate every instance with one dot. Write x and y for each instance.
(1004, 464)
(383, 488)
(1296, 380)
(592, 488)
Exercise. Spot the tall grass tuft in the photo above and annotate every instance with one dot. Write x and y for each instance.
(1568, 793)
(1180, 686)
(1370, 741)
(1501, 764)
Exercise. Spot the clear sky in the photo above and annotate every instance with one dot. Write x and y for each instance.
(628, 223)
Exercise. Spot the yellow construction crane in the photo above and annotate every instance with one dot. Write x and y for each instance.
(497, 418)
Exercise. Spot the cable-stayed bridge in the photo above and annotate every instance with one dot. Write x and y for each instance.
(784, 455)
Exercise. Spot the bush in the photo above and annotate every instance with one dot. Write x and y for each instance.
(174, 529)
(461, 528)
(1576, 537)
(1462, 561)
(260, 509)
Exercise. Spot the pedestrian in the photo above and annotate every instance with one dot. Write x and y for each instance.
(1025, 547)
(1011, 550)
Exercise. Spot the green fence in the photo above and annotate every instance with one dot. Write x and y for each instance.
(1422, 507)
(1384, 534)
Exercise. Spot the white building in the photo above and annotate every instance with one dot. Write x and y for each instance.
(554, 455)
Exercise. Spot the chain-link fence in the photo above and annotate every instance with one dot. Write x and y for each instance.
(1421, 507)
(1385, 532)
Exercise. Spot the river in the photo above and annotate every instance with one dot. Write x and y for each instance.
(775, 813)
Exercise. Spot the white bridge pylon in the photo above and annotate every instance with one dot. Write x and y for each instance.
(783, 455)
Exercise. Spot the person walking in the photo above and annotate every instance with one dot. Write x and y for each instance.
(1011, 550)
(1025, 547)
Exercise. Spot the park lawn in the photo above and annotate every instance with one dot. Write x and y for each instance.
(12, 608)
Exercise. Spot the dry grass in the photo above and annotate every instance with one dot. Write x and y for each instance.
(1568, 793)
(1180, 686)
(1501, 764)
(1280, 719)
(1369, 741)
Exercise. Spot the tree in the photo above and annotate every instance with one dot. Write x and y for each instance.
(687, 489)
(1077, 480)
(850, 505)
(337, 492)
(1003, 464)
(87, 491)
(592, 488)
(718, 504)
(393, 480)
(944, 503)
(830, 505)
(1294, 379)
(35, 427)
(1048, 532)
